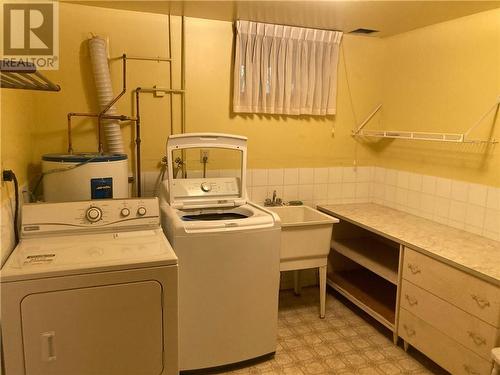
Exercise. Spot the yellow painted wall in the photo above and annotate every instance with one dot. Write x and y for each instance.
(273, 141)
(442, 78)
(278, 141)
(137, 34)
(17, 111)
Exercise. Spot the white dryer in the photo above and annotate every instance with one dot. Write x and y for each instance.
(229, 255)
(91, 290)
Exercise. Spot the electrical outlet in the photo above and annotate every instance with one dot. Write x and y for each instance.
(204, 156)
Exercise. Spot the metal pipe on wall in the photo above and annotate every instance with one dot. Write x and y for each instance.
(138, 142)
(171, 74)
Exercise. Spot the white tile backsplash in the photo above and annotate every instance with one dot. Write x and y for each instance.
(391, 177)
(475, 215)
(334, 193)
(275, 176)
(471, 207)
(348, 174)
(403, 180)
(459, 191)
(291, 192)
(458, 210)
(320, 192)
(427, 203)
(363, 190)
(401, 196)
(364, 174)
(493, 198)
(348, 190)
(291, 176)
(379, 175)
(335, 175)
(259, 177)
(306, 192)
(428, 184)
(478, 194)
(320, 175)
(443, 187)
(259, 194)
(415, 182)
(306, 176)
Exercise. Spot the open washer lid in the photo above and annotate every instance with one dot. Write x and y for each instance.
(206, 191)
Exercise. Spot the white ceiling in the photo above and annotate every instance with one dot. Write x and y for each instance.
(389, 17)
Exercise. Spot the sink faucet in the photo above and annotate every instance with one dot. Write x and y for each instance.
(273, 202)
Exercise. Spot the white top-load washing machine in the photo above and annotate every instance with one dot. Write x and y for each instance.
(91, 289)
(229, 255)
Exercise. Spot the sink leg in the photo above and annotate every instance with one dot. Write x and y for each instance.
(322, 291)
(296, 282)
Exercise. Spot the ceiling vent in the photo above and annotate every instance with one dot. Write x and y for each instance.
(363, 31)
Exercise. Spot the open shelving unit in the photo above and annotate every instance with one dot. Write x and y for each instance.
(372, 254)
(372, 294)
(365, 269)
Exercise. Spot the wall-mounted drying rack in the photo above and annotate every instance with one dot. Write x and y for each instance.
(24, 76)
(426, 136)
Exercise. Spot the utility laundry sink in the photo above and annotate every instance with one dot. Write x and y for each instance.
(306, 234)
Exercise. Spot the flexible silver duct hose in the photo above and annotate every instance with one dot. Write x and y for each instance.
(102, 77)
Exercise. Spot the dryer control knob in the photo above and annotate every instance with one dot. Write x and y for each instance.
(141, 211)
(205, 187)
(125, 212)
(93, 214)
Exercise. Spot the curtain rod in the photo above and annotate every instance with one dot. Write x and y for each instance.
(284, 24)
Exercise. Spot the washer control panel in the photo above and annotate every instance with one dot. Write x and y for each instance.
(47, 217)
(206, 187)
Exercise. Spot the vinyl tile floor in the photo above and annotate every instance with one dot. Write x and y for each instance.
(347, 341)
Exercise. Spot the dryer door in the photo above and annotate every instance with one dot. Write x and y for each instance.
(112, 330)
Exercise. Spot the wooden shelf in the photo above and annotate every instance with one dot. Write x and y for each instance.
(378, 257)
(368, 291)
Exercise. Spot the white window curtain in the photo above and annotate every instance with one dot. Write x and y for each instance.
(285, 70)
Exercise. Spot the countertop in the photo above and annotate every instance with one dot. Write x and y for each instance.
(473, 254)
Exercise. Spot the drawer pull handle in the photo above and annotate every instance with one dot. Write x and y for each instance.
(478, 340)
(481, 302)
(470, 370)
(411, 301)
(410, 331)
(413, 268)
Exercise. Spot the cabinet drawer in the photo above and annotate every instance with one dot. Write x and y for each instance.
(471, 294)
(468, 330)
(446, 352)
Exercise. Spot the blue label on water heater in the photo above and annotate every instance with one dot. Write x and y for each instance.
(101, 188)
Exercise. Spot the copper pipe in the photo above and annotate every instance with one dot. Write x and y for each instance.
(170, 75)
(102, 115)
(70, 142)
(95, 115)
(138, 142)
